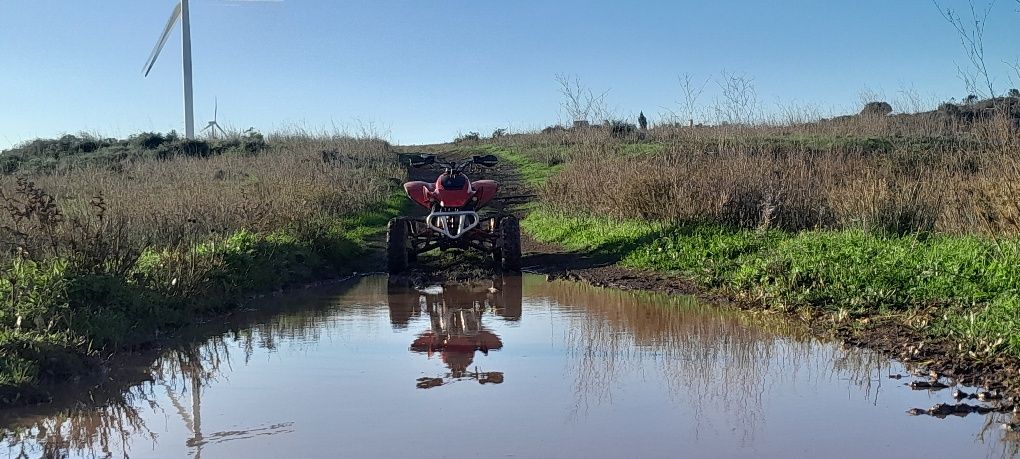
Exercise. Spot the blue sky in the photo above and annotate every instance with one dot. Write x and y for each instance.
(422, 71)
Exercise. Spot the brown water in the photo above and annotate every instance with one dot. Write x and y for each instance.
(537, 369)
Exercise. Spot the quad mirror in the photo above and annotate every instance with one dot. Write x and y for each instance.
(487, 160)
(422, 160)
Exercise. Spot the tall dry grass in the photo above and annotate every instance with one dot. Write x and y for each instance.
(93, 259)
(901, 173)
(183, 200)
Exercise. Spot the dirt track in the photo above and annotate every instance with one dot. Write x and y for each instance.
(538, 257)
(924, 355)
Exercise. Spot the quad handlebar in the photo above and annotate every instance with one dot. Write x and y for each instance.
(453, 167)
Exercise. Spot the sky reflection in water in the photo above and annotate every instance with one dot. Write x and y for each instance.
(532, 369)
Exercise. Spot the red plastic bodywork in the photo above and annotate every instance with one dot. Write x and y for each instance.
(485, 190)
(452, 197)
(425, 194)
(419, 192)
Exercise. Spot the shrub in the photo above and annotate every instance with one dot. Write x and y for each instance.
(620, 129)
(38, 165)
(150, 140)
(876, 109)
(950, 109)
(467, 138)
(9, 163)
(253, 142)
(43, 156)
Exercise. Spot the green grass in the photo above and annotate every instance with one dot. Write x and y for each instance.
(70, 312)
(641, 149)
(533, 172)
(538, 163)
(589, 233)
(971, 282)
(532, 164)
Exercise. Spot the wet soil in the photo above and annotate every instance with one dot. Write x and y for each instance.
(893, 336)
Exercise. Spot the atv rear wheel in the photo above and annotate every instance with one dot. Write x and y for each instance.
(510, 235)
(396, 246)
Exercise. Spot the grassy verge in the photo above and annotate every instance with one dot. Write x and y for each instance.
(79, 313)
(116, 243)
(535, 164)
(534, 173)
(965, 286)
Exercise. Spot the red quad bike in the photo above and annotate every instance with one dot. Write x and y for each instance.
(454, 220)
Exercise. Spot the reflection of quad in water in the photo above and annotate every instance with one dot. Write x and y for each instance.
(456, 332)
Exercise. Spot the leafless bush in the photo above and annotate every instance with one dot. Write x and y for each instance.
(470, 137)
(908, 100)
(579, 101)
(691, 91)
(738, 99)
(971, 32)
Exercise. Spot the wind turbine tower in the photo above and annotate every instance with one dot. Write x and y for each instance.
(182, 13)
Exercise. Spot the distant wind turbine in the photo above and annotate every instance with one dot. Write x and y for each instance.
(181, 12)
(213, 126)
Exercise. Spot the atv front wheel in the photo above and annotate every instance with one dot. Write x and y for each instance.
(510, 234)
(396, 246)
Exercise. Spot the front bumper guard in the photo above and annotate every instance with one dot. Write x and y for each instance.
(452, 224)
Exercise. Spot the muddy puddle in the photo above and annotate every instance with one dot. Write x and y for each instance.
(532, 369)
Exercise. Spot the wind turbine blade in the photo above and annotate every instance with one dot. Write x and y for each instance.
(221, 130)
(216, 108)
(174, 16)
(206, 128)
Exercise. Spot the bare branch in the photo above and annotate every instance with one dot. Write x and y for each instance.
(739, 98)
(691, 92)
(579, 101)
(1015, 67)
(972, 38)
(868, 95)
(908, 99)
